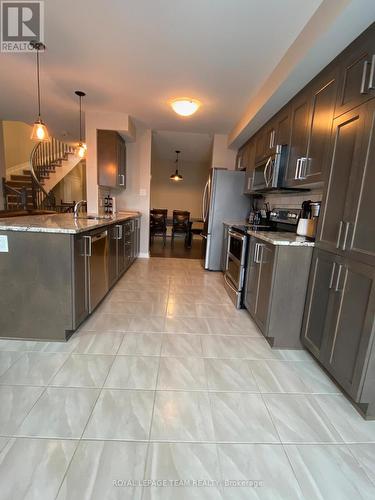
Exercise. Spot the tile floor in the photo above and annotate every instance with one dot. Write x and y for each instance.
(167, 382)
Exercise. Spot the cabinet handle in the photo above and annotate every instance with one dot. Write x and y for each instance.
(372, 71)
(339, 235)
(347, 226)
(248, 183)
(256, 252)
(363, 82)
(332, 275)
(122, 180)
(338, 279)
(119, 231)
(296, 174)
(89, 240)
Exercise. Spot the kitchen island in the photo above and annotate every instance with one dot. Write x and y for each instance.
(56, 269)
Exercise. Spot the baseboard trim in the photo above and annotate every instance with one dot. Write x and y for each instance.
(145, 255)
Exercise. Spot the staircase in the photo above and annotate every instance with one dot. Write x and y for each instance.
(32, 189)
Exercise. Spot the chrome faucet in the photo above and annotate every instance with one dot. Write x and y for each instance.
(77, 206)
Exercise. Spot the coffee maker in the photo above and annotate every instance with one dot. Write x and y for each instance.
(308, 220)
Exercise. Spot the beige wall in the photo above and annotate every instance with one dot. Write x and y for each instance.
(183, 195)
(73, 186)
(2, 165)
(222, 156)
(17, 143)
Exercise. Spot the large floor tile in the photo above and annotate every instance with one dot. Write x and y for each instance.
(182, 462)
(7, 358)
(59, 413)
(15, 404)
(241, 418)
(214, 311)
(178, 309)
(3, 442)
(265, 464)
(146, 325)
(186, 325)
(33, 368)
(351, 426)
(329, 472)
(181, 345)
(141, 344)
(121, 415)
(230, 375)
(99, 468)
(365, 456)
(298, 419)
(133, 372)
(314, 377)
(236, 347)
(83, 370)
(112, 322)
(33, 468)
(278, 376)
(142, 309)
(240, 325)
(98, 343)
(182, 374)
(182, 416)
(21, 345)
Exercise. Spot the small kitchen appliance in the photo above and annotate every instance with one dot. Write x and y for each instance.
(309, 219)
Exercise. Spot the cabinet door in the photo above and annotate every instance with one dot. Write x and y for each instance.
(81, 309)
(352, 324)
(120, 250)
(359, 220)
(107, 156)
(250, 168)
(252, 277)
(318, 301)
(266, 257)
(357, 73)
(260, 144)
(121, 162)
(323, 97)
(112, 259)
(346, 145)
(299, 132)
(282, 127)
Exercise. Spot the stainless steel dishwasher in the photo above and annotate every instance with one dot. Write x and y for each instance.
(97, 251)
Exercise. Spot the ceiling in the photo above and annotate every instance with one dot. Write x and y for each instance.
(132, 56)
(194, 147)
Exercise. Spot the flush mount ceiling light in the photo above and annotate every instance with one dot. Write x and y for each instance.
(185, 106)
(39, 132)
(81, 148)
(176, 176)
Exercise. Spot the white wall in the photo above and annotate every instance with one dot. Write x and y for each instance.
(222, 156)
(17, 143)
(182, 195)
(136, 196)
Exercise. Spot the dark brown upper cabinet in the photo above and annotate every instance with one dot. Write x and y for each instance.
(346, 224)
(357, 72)
(275, 132)
(248, 185)
(312, 115)
(111, 156)
(242, 159)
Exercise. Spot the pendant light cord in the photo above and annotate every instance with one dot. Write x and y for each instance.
(80, 119)
(38, 80)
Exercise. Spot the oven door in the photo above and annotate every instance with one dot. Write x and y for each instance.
(236, 256)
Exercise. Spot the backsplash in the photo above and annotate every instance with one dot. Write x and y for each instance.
(290, 200)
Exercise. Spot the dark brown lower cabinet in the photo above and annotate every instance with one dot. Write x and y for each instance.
(275, 293)
(338, 326)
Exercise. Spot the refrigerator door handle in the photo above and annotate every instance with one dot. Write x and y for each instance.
(204, 199)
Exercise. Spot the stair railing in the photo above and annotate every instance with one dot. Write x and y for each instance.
(21, 195)
(44, 159)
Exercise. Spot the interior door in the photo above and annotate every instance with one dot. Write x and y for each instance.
(347, 135)
(317, 309)
(266, 257)
(351, 329)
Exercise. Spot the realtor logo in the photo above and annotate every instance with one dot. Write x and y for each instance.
(21, 23)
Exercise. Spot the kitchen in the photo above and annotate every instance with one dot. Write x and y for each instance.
(250, 370)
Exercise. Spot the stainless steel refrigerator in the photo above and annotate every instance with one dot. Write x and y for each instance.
(223, 199)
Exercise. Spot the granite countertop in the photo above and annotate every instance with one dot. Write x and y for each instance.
(242, 222)
(282, 238)
(60, 223)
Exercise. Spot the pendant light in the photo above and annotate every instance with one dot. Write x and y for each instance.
(176, 176)
(40, 132)
(81, 148)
